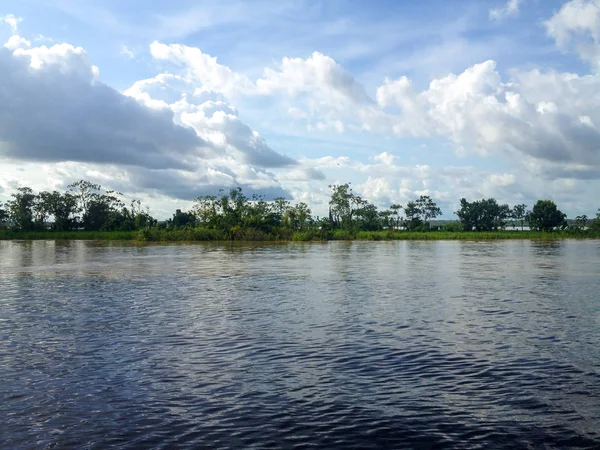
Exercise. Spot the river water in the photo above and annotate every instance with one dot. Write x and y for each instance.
(320, 345)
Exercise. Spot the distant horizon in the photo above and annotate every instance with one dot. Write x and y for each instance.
(167, 102)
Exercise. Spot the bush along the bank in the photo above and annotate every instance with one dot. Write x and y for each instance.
(86, 211)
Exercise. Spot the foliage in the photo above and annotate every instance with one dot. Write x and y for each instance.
(519, 213)
(545, 216)
(483, 215)
(594, 226)
(86, 211)
(453, 227)
(4, 217)
(20, 209)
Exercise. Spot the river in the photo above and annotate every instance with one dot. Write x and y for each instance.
(309, 345)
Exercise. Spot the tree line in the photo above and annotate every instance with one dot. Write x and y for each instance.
(86, 206)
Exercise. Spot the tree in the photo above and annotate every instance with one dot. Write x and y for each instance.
(367, 217)
(85, 193)
(595, 223)
(519, 213)
(182, 219)
(581, 222)
(3, 216)
(427, 208)
(297, 218)
(482, 215)
(545, 216)
(412, 213)
(395, 209)
(344, 205)
(20, 209)
(42, 209)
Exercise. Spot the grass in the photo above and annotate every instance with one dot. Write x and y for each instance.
(68, 235)
(241, 234)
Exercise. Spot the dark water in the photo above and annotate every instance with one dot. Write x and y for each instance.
(339, 345)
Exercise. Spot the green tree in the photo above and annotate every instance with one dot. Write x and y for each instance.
(181, 219)
(367, 217)
(395, 209)
(42, 209)
(427, 209)
(3, 216)
(482, 215)
(61, 207)
(20, 209)
(519, 213)
(343, 206)
(545, 216)
(85, 193)
(595, 223)
(297, 218)
(208, 211)
(581, 222)
(413, 216)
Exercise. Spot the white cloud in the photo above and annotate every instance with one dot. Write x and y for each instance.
(202, 68)
(183, 134)
(16, 41)
(510, 9)
(126, 51)
(55, 109)
(576, 26)
(11, 21)
(215, 121)
(534, 115)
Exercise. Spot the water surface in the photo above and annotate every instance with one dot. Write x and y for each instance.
(337, 345)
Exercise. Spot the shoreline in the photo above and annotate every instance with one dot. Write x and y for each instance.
(201, 235)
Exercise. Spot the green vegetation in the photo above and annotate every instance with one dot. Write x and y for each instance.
(85, 211)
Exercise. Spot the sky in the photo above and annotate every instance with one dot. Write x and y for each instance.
(168, 101)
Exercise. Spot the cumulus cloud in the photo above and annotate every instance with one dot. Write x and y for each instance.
(11, 21)
(202, 68)
(576, 27)
(317, 75)
(16, 41)
(191, 131)
(550, 117)
(213, 119)
(384, 181)
(169, 135)
(55, 109)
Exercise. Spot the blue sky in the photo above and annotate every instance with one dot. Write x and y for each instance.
(445, 98)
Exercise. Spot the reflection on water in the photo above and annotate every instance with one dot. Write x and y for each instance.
(364, 344)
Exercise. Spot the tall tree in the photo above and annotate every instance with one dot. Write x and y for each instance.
(3, 216)
(413, 216)
(85, 192)
(395, 209)
(545, 216)
(343, 205)
(518, 213)
(42, 209)
(20, 209)
(595, 223)
(64, 209)
(427, 208)
(482, 215)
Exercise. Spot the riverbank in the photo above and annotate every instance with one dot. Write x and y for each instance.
(203, 234)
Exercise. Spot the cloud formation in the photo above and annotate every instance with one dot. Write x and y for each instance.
(306, 119)
(576, 27)
(55, 109)
(11, 21)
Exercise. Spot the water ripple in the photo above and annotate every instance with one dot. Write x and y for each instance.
(342, 345)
